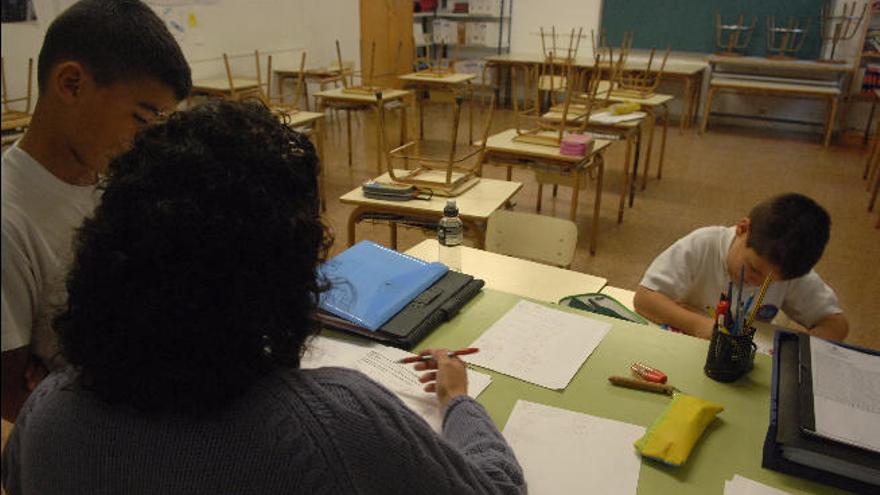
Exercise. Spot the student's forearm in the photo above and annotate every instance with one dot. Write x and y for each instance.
(662, 310)
(831, 327)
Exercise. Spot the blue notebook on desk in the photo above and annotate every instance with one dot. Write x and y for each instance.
(371, 283)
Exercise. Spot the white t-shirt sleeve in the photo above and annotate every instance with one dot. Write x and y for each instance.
(809, 299)
(672, 272)
(18, 295)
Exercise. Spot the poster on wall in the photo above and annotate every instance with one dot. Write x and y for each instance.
(17, 11)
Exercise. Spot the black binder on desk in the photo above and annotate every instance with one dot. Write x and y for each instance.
(788, 449)
(438, 303)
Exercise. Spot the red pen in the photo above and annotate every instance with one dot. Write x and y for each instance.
(428, 357)
(648, 373)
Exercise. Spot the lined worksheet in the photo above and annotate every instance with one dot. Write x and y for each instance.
(540, 345)
(379, 362)
(564, 451)
(846, 394)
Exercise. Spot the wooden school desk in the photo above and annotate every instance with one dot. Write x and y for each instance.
(651, 105)
(338, 97)
(474, 207)
(285, 74)
(629, 131)
(731, 445)
(456, 84)
(517, 276)
(218, 87)
(790, 78)
(503, 150)
(689, 73)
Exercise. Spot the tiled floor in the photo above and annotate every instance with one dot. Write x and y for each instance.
(711, 179)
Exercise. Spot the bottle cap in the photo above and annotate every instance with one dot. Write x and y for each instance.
(451, 209)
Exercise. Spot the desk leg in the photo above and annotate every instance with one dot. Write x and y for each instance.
(652, 123)
(626, 185)
(353, 218)
(379, 135)
(874, 192)
(635, 171)
(597, 203)
(540, 197)
(305, 93)
(348, 131)
(870, 119)
(575, 193)
(695, 105)
(686, 102)
(470, 93)
(663, 141)
(403, 122)
(832, 114)
(393, 226)
(319, 137)
(420, 100)
(708, 109)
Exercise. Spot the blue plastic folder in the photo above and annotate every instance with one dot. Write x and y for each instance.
(371, 283)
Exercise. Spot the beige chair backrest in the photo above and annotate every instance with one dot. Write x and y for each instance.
(534, 237)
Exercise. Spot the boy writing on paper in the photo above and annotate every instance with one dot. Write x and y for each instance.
(783, 237)
(107, 68)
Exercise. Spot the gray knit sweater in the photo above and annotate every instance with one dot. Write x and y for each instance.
(328, 430)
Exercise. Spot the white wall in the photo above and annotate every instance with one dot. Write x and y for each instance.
(530, 15)
(20, 41)
(207, 28)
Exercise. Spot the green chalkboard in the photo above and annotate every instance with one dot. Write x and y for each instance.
(689, 25)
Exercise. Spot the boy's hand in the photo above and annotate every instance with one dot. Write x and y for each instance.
(450, 378)
(703, 329)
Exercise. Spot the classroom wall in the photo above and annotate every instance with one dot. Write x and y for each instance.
(207, 28)
(530, 15)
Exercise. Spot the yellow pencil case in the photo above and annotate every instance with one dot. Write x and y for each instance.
(673, 435)
(624, 108)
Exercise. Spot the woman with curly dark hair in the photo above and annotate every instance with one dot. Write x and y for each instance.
(190, 302)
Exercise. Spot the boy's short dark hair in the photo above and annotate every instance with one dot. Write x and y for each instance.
(115, 40)
(790, 231)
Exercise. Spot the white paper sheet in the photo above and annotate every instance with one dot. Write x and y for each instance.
(379, 362)
(744, 486)
(563, 451)
(538, 344)
(846, 394)
(610, 118)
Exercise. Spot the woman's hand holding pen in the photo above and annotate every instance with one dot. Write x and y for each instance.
(446, 376)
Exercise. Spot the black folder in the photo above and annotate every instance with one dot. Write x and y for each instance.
(433, 306)
(791, 450)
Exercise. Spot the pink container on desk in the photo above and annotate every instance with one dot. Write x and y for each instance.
(576, 144)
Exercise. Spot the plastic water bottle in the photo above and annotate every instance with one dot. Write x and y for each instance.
(450, 233)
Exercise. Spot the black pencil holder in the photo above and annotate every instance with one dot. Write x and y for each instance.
(730, 356)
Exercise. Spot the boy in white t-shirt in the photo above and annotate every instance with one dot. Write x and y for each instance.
(783, 237)
(106, 69)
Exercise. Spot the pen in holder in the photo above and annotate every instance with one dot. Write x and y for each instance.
(730, 356)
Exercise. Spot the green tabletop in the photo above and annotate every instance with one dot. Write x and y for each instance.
(731, 445)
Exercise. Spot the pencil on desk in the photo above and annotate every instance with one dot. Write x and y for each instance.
(429, 357)
(759, 300)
